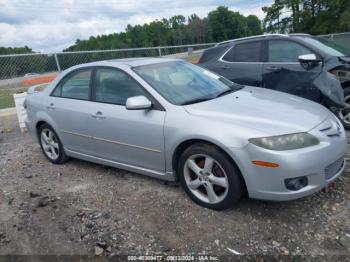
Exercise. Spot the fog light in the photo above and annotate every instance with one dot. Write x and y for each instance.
(296, 183)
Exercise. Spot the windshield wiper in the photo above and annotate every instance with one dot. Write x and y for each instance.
(196, 100)
(232, 88)
(228, 91)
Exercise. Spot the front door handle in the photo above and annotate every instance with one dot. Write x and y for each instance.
(51, 106)
(99, 115)
(273, 68)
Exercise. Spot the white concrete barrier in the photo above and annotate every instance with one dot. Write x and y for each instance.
(20, 110)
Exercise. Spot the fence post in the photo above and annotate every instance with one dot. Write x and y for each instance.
(57, 63)
(190, 51)
(159, 51)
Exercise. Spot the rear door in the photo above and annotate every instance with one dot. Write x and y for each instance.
(69, 107)
(283, 72)
(242, 63)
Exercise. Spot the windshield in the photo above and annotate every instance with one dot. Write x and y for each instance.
(329, 47)
(182, 83)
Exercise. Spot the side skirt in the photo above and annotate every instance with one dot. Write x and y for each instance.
(169, 176)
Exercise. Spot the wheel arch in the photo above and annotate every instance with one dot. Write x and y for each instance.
(180, 148)
(42, 121)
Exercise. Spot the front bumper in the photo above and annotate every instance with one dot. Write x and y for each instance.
(321, 165)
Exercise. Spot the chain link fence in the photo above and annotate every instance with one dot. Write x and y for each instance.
(341, 39)
(23, 65)
(17, 66)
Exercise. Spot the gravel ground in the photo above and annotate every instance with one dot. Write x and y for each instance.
(82, 208)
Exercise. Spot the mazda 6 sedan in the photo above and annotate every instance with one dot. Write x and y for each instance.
(169, 119)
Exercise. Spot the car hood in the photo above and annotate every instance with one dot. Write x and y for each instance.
(270, 112)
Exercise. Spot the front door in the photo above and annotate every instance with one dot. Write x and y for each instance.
(133, 137)
(283, 72)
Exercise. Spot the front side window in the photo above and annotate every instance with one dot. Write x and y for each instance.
(247, 52)
(76, 86)
(286, 51)
(182, 83)
(331, 48)
(115, 87)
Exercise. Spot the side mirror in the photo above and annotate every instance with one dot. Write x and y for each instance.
(309, 58)
(138, 103)
(309, 61)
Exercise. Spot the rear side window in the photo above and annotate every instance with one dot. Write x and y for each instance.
(115, 87)
(76, 86)
(247, 52)
(212, 54)
(286, 51)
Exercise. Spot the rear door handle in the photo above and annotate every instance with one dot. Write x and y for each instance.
(51, 106)
(273, 68)
(99, 115)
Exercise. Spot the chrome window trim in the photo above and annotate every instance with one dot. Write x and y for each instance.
(112, 141)
(267, 62)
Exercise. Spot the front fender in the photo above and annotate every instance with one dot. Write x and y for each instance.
(171, 148)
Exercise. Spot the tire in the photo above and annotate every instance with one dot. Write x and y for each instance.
(344, 115)
(209, 177)
(50, 142)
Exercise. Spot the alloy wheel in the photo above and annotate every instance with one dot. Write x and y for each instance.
(206, 178)
(344, 114)
(50, 144)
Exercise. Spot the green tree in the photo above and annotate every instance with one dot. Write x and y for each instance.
(253, 25)
(221, 24)
(226, 24)
(15, 50)
(307, 16)
(198, 28)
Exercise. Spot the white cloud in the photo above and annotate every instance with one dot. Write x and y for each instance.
(51, 26)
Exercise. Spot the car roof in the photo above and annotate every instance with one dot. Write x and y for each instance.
(259, 37)
(131, 62)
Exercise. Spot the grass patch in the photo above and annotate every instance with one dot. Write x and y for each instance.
(6, 96)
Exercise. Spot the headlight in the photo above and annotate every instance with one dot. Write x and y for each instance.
(286, 142)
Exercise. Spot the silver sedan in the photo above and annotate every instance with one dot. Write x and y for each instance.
(172, 120)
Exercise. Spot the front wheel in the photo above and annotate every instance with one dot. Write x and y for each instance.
(209, 177)
(344, 114)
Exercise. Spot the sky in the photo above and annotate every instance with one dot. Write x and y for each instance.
(51, 26)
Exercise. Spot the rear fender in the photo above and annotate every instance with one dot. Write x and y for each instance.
(43, 116)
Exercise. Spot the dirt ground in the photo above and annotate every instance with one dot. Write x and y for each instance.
(81, 208)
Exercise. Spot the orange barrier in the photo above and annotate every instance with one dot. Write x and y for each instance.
(38, 80)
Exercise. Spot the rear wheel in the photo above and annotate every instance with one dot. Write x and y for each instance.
(209, 177)
(344, 114)
(51, 145)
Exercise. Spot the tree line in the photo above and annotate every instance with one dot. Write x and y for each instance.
(307, 16)
(220, 24)
(15, 50)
